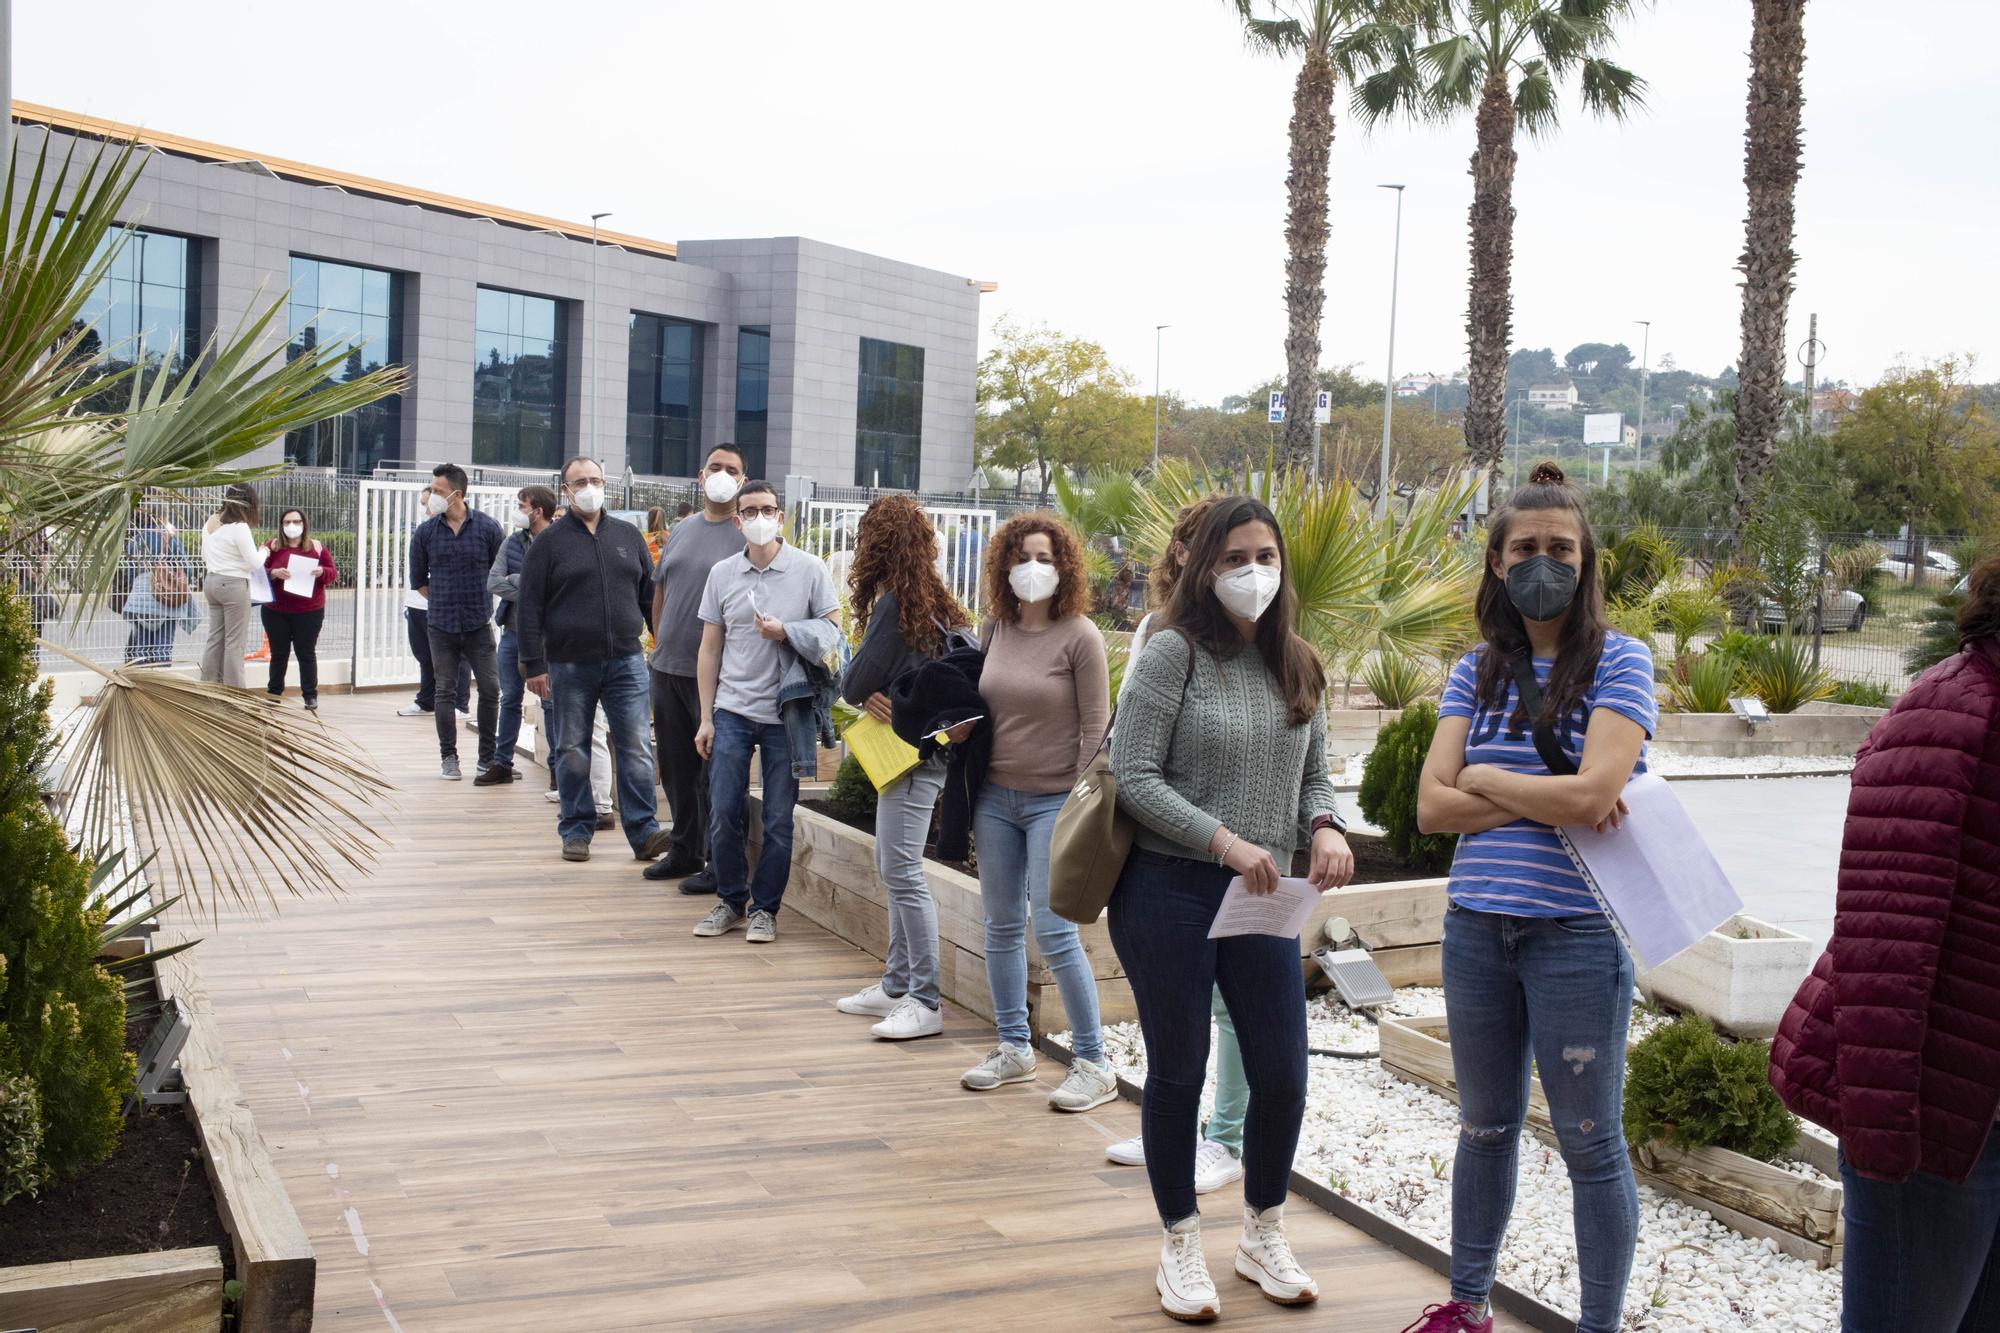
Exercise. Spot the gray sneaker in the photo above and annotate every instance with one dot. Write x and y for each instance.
(448, 769)
(721, 919)
(763, 929)
(1087, 1086)
(1007, 1064)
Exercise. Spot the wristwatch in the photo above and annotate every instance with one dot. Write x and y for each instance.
(1332, 821)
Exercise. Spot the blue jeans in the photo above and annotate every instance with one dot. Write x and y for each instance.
(902, 822)
(1160, 915)
(513, 694)
(1557, 990)
(151, 643)
(736, 737)
(1010, 831)
(620, 686)
(1232, 1087)
(1922, 1253)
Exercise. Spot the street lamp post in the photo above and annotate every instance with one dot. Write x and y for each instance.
(1157, 330)
(590, 389)
(1645, 350)
(1389, 381)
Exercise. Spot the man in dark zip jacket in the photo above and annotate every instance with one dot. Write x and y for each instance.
(586, 594)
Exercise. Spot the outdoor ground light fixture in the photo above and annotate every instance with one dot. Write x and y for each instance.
(1347, 964)
(1751, 710)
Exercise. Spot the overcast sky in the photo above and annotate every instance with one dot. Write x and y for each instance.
(1112, 164)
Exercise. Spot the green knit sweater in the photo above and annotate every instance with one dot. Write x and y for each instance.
(1228, 755)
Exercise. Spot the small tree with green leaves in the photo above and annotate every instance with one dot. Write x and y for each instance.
(1688, 1086)
(1389, 790)
(851, 793)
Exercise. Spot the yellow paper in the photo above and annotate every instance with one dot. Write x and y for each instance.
(884, 755)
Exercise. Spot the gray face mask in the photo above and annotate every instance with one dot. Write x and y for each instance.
(1541, 587)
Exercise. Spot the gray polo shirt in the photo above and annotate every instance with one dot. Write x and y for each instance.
(692, 549)
(796, 586)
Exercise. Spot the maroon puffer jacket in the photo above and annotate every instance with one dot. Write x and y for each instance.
(1893, 1042)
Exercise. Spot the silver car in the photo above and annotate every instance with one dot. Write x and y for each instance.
(1845, 610)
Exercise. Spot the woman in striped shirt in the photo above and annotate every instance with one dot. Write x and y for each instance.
(1533, 972)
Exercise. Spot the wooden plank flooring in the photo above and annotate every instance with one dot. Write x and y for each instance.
(509, 1092)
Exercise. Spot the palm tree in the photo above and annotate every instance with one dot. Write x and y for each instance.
(1312, 29)
(187, 764)
(1771, 171)
(1503, 60)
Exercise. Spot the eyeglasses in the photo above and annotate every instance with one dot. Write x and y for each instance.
(767, 511)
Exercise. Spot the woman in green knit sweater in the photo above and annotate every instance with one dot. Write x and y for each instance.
(1220, 755)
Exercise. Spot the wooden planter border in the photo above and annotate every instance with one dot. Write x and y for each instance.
(1760, 1200)
(164, 1291)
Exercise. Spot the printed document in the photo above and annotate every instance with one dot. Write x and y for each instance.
(1283, 913)
(1653, 874)
(301, 572)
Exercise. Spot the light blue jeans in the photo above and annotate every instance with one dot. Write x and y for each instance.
(902, 822)
(1232, 1085)
(1011, 831)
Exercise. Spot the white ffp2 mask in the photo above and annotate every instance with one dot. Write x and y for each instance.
(587, 499)
(760, 531)
(1033, 581)
(1248, 591)
(720, 488)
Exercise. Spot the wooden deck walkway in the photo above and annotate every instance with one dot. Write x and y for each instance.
(509, 1092)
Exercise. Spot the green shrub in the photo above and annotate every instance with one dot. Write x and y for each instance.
(1398, 680)
(1780, 671)
(21, 1169)
(1389, 790)
(62, 1016)
(852, 795)
(1702, 684)
(1861, 694)
(1686, 1085)
(1937, 634)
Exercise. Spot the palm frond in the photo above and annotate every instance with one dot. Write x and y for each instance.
(1456, 67)
(1611, 90)
(1535, 104)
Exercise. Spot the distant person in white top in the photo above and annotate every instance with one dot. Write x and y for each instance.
(229, 553)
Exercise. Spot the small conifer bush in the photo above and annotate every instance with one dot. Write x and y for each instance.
(1389, 790)
(1688, 1086)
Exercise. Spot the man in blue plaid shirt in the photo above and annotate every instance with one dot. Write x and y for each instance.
(449, 558)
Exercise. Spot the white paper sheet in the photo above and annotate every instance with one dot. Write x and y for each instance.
(1283, 913)
(1654, 874)
(260, 586)
(301, 572)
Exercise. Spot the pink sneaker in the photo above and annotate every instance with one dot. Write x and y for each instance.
(1454, 1317)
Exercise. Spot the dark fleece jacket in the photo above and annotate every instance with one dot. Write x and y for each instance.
(937, 696)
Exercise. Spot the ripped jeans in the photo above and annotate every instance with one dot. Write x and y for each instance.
(1559, 990)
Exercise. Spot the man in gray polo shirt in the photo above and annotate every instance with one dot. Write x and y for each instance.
(744, 610)
(692, 549)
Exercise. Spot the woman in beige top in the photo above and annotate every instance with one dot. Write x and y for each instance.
(1048, 699)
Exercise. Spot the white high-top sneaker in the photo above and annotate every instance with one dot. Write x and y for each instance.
(1264, 1256)
(1187, 1292)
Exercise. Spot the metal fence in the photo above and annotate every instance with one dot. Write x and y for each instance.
(828, 529)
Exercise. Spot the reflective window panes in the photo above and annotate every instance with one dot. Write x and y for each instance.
(753, 397)
(663, 396)
(361, 307)
(889, 415)
(518, 389)
(144, 311)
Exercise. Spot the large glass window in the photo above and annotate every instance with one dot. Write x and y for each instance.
(753, 397)
(144, 311)
(518, 389)
(663, 397)
(889, 415)
(342, 303)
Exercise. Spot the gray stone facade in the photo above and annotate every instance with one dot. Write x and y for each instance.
(818, 301)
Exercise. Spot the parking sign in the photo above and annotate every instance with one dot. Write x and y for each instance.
(1277, 413)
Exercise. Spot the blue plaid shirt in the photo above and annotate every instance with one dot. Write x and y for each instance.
(455, 566)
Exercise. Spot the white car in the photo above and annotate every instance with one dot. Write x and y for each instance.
(1845, 610)
(1937, 566)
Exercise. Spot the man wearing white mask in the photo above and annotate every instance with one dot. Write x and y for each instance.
(694, 546)
(450, 556)
(750, 601)
(585, 597)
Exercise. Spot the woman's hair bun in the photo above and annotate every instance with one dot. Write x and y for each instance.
(1546, 474)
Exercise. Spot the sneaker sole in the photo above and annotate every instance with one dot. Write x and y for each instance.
(1110, 1096)
(1286, 1294)
(907, 1036)
(1121, 1159)
(861, 1012)
(1188, 1312)
(715, 934)
(1028, 1077)
(760, 939)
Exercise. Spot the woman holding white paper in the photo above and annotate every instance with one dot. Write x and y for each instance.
(301, 570)
(1533, 971)
(1220, 756)
(907, 617)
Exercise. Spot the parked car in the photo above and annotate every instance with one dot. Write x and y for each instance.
(1937, 567)
(1845, 610)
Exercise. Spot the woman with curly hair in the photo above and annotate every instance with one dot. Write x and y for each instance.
(906, 617)
(1048, 700)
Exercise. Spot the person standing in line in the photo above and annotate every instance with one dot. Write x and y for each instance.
(1533, 969)
(416, 622)
(656, 531)
(1893, 1042)
(293, 619)
(584, 598)
(907, 618)
(755, 606)
(229, 553)
(450, 557)
(696, 545)
(534, 510)
(1220, 757)
(1218, 1155)
(1047, 689)
(158, 603)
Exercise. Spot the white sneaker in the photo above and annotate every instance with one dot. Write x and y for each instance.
(1006, 1064)
(411, 710)
(552, 796)
(1214, 1167)
(1086, 1086)
(1187, 1292)
(871, 1000)
(912, 1018)
(1132, 1152)
(1264, 1256)
(721, 919)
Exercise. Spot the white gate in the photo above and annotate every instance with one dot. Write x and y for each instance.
(827, 529)
(388, 513)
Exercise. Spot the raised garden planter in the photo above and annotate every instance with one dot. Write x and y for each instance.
(1802, 1215)
(168, 1291)
(1740, 976)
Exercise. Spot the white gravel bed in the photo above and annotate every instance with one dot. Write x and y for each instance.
(1388, 1145)
(1668, 763)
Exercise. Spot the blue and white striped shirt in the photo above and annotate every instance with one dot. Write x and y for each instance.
(1521, 869)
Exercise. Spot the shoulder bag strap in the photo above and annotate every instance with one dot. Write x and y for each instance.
(1546, 744)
